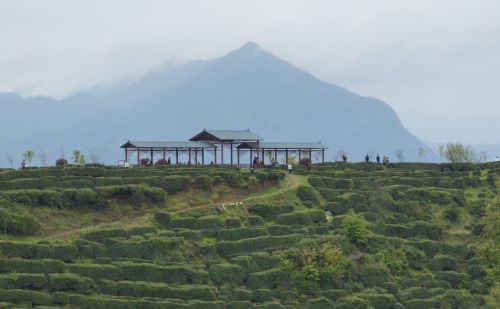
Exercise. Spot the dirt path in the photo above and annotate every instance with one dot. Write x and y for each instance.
(291, 182)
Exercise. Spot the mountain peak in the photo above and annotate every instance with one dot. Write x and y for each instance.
(250, 46)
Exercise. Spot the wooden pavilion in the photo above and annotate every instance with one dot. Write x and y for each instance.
(214, 141)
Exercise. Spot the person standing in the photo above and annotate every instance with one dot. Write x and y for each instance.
(497, 159)
(378, 158)
(367, 158)
(290, 168)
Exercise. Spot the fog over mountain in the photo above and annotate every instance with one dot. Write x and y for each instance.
(247, 88)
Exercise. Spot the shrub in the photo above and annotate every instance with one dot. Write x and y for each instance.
(233, 222)
(143, 248)
(31, 266)
(270, 279)
(295, 218)
(263, 243)
(240, 305)
(19, 223)
(204, 183)
(306, 193)
(256, 220)
(442, 262)
(343, 184)
(97, 272)
(84, 199)
(161, 162)
(277, 230)
(209, 222)
(135, 194)
(100, 235)
(326, 182)
(61, 162)
(380, 301)
(88, 248)
(457, 280)
(30, 281)
(336, 208)
(240, 233)
(354, 229)
(270, 212)
(25, 297)
(371, 275)
(71, 282)
(352, 303)
(226, 273)
(178, 274)
(163, 218)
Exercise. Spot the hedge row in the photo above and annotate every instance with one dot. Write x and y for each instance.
(177, 274)
(62, 252)
(263, 243)
(160, 290)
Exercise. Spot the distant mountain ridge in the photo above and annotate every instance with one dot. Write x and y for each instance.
(247, 88)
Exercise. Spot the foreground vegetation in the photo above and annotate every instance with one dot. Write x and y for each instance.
(332, 236)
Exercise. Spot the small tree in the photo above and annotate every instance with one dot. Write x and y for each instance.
(354, 229)
(400, 155)
(78, 157)
(459, 153)
(421, 152)
(61, 162)
(42, 157)
(10, 158)
(28, 155)
(441, 149)
(5, 219)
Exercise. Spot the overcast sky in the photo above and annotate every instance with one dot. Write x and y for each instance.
(436, 62)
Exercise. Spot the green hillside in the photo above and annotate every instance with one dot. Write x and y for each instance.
(332, 236)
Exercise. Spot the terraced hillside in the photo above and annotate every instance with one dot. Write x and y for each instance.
(333, 236)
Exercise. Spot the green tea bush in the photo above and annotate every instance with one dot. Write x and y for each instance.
(269, 279)
(263, 243)
(30, 281)
(46, 197)
(159, 290)
(336, 208)
(262, 295)
(457, 280)
(354, 229)
(241, 294)
(380, 301)
(325, 182)
(306, 193)
(84, 199)
(430, 195)
(343, 184)
(89, 248)
(19, 223)
(226, 274)
(100, 235)
(150, 248)
(443, 262)
(178, 274)
(25, 297)
(31, 266)
(134, 194)
(256, 220)
(278, 230)
(352, 303)
(184, 222)
(204, 183)
(241, 233)
(371, 275)
(71, 282)
(209, 222)
(270, 212)
(240, 304)
(232, 222)
(97, 272)
(295, 218)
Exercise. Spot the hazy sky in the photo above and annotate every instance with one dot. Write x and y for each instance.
(436, 62)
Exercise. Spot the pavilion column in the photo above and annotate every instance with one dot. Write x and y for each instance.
(322, 155)
(299, 155)
(164, 154)
(231, 153)
(126, 155)
(286, 156)
(238, 156)
(176, 156)
(275, 155)
(215, 156)
(251, 155)
(263, 157)
(202, 156)
(196, 156)
(152, 156)
(310, 155)
(258, 158)
(139, 156)
(189, 154)
(221, 153)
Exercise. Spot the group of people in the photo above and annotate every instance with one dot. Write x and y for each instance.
(385, 159)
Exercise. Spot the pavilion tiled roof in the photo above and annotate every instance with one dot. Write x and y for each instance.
(229, 135)
(146, 144)
(280, 145)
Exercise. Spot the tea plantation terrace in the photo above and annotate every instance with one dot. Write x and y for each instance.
(209, 143)
(414, 236)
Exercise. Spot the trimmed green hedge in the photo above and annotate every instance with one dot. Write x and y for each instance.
(241, 233)
(31, 281)
(227, 273)
(71, 282)
(269, 279)
(178, 274)
(263, 243)
(270, 212)
(97, 271)
(31, 266)
(25, 297)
